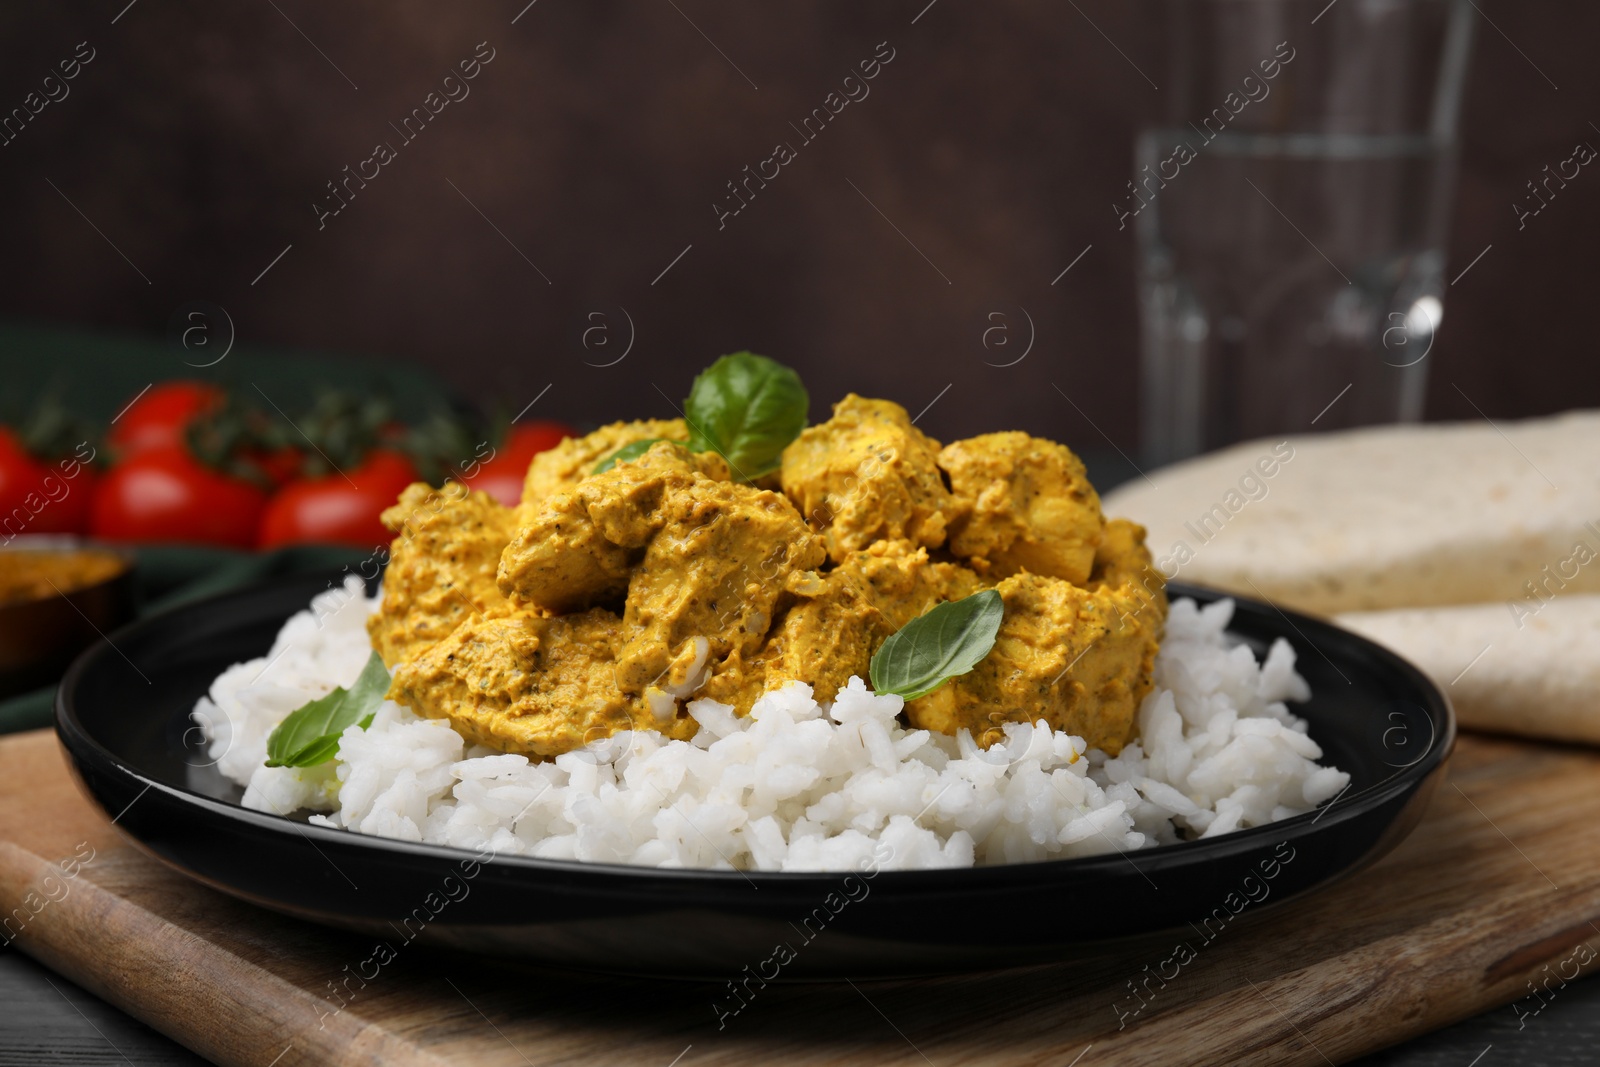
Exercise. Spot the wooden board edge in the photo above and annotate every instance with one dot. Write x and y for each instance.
(222, 1007)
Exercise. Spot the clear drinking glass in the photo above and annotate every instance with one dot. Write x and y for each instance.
(1290, 211)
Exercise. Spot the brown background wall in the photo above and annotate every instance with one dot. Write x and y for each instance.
(601, 133)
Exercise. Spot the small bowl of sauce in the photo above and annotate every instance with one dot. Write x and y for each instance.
(57, 596)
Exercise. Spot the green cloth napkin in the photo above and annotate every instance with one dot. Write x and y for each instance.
(96, 375)
(167, 576)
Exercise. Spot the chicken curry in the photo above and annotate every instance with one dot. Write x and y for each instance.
(616, 592)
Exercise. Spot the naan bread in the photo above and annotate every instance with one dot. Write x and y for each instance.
(1540, 678)
(1383, 517)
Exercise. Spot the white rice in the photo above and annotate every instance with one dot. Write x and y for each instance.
(796, 785)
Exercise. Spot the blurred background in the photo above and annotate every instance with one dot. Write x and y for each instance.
(576, 204)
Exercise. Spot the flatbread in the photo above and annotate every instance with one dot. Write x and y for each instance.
(1384, 517)
(1532, 674)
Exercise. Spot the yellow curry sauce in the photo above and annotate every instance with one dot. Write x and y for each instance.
(604, 602)
(27, 574)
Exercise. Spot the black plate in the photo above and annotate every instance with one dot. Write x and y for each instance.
(122, 716)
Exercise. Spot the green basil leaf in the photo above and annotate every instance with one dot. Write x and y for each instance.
(309, 735)
(629, 451)
(938, 645)
(748, 408)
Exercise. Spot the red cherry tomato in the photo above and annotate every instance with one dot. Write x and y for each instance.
(42, 496)
(501, 475)
(280, 466)
(158, 417)
(340, 508)
(165, 494)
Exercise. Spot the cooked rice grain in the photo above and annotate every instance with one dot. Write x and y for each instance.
(796, 785)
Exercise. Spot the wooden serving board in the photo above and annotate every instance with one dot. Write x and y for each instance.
(1501, 881)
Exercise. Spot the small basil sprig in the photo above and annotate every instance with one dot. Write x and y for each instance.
(745, 407)
(938, 645)
(310, 734)
(748, 408)
(630, 451)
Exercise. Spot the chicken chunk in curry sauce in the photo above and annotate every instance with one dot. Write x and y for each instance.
(606, 601)
(441, 567)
